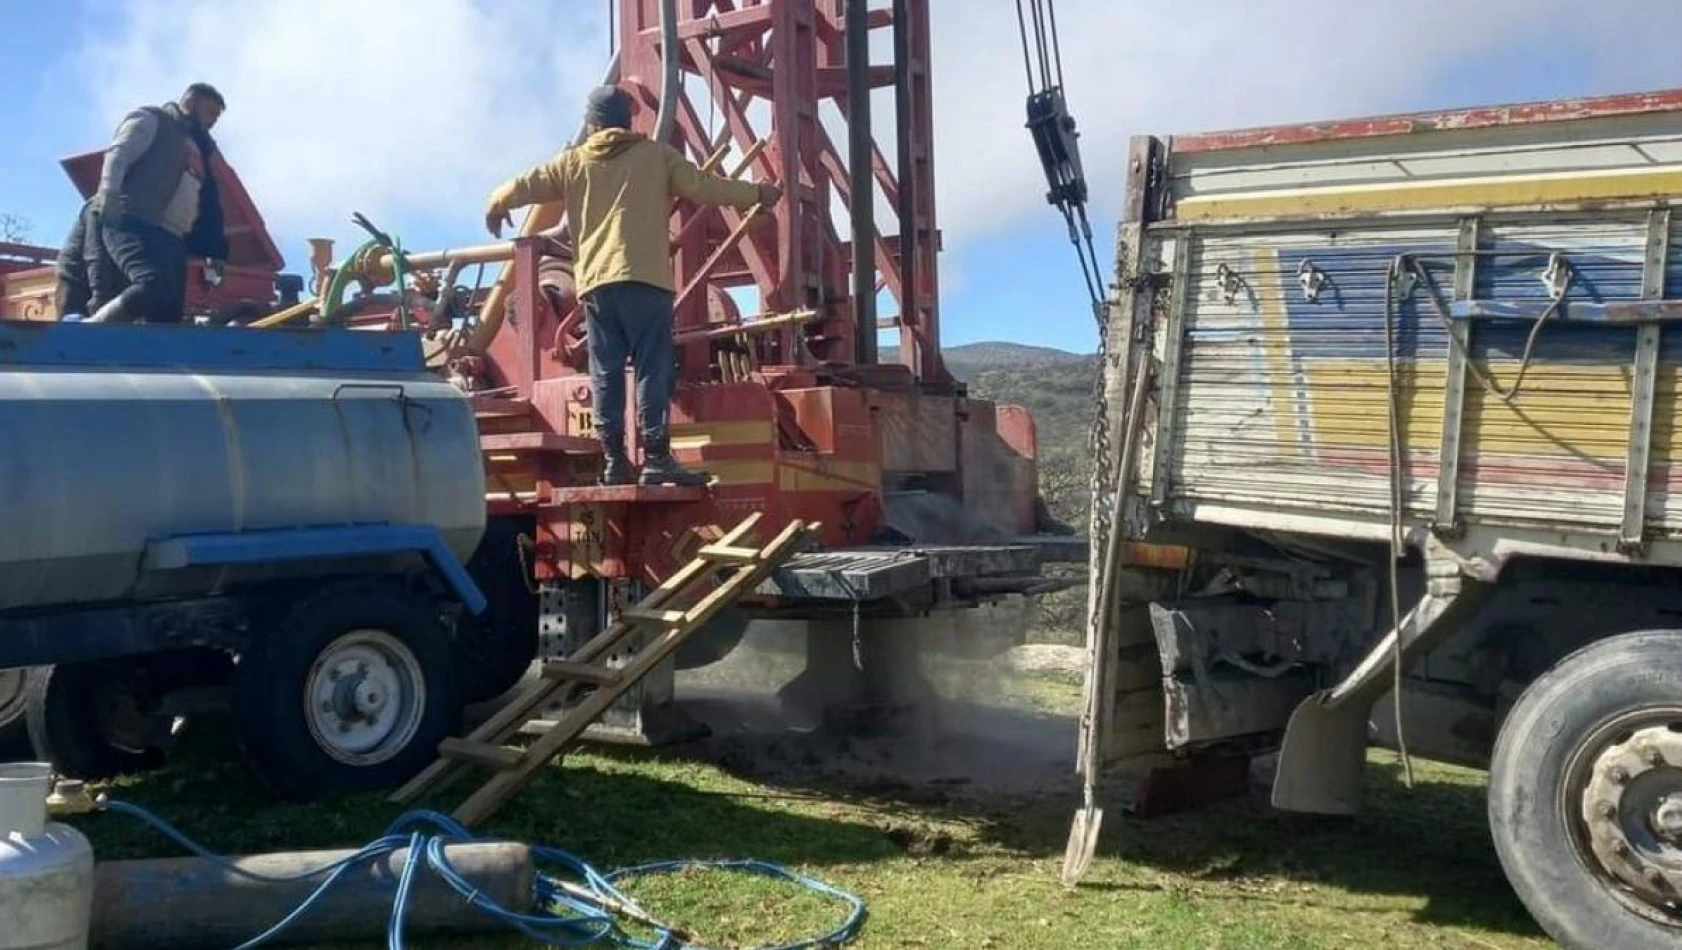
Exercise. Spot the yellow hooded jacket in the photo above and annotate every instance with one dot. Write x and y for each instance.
(617, 187)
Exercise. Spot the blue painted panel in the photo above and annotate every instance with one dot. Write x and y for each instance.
(296, 544)
(33, 345)
(1347, 321)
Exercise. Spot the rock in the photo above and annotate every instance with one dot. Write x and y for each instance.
(1048, 659)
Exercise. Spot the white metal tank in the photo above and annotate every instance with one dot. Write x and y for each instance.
(115, 436)
(46, 869)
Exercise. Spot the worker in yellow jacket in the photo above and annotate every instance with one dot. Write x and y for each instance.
(617, 187)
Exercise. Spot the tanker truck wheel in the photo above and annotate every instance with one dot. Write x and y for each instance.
(14, 730)
(1585, 795)
(92, 720)
(497, 649)
(351, 691)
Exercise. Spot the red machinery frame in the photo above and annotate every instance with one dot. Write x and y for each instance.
(791, 55)
(791, 410)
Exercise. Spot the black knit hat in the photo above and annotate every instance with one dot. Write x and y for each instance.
(609, 107)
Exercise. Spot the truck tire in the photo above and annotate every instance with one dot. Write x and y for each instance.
(1585, 794)
(497, 648)
(352, 691)
(67, 712)
(14, 728)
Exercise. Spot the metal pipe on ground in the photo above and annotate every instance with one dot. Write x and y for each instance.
(861, 148)
(910, 299)
(189, 903)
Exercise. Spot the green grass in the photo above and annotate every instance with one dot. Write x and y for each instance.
(938, 869)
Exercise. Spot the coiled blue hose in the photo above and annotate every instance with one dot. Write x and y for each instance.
(576, 916)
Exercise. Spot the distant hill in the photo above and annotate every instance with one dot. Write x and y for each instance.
(1056, 386)
(965, 361)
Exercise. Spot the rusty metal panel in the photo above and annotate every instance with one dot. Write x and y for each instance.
(1282, 399)
(1481, 117)
(917, 433)
(1570, 161)
(1282, 402)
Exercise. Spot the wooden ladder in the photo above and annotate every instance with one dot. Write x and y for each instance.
(673, 611)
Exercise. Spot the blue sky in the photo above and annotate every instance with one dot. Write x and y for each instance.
(443, 98)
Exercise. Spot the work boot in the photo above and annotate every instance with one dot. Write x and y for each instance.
(659, 468)
(114, 311)
(616, 469)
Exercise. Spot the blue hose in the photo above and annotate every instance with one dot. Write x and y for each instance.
(573, 916)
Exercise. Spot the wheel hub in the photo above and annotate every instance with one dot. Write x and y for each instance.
(364, 697)
(1632, 809)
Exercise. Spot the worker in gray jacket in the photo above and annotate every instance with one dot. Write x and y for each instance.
(157, 202)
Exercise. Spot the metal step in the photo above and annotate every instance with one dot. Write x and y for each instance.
(863, 574)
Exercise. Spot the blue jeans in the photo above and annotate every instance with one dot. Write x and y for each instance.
(630, 320)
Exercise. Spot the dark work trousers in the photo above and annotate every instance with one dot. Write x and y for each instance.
(154, 262)
(87, 277)
(630, 320)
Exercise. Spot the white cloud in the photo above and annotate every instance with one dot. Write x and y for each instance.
(410, 110)
(1153, 67)
(402, 109)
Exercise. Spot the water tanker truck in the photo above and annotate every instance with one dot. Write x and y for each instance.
(276, 521)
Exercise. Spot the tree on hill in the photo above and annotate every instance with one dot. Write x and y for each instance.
(14, 228)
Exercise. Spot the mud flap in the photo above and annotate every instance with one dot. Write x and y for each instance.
(1324, 752)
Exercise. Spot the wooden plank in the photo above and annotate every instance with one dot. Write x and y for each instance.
(664, 618)
(1632, 532)
(494, 793)
(1454, 386)
(580, 672)
(725, 554)
(538, 442)
(478, 753)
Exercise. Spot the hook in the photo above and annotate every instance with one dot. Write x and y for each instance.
(1312, 279)
(1229, 282)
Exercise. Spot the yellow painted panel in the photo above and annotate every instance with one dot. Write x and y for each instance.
(738, 471)
(1565, 410)
(1547, 189)
(695, 435)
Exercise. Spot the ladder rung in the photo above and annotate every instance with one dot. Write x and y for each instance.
(497, 757)
(581, 672)
(665, 618)
(723, 554)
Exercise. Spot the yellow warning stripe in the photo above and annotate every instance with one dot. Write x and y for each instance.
(1548, 189)
(696, 435)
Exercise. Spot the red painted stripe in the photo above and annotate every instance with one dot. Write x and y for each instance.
(1510, 469)
(1557, 110)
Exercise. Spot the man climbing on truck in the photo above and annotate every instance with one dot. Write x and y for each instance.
(617, 188)
(157, 202)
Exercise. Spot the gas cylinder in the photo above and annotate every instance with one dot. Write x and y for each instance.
(46, 868)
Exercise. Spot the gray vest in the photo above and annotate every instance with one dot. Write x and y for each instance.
(152, 179)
